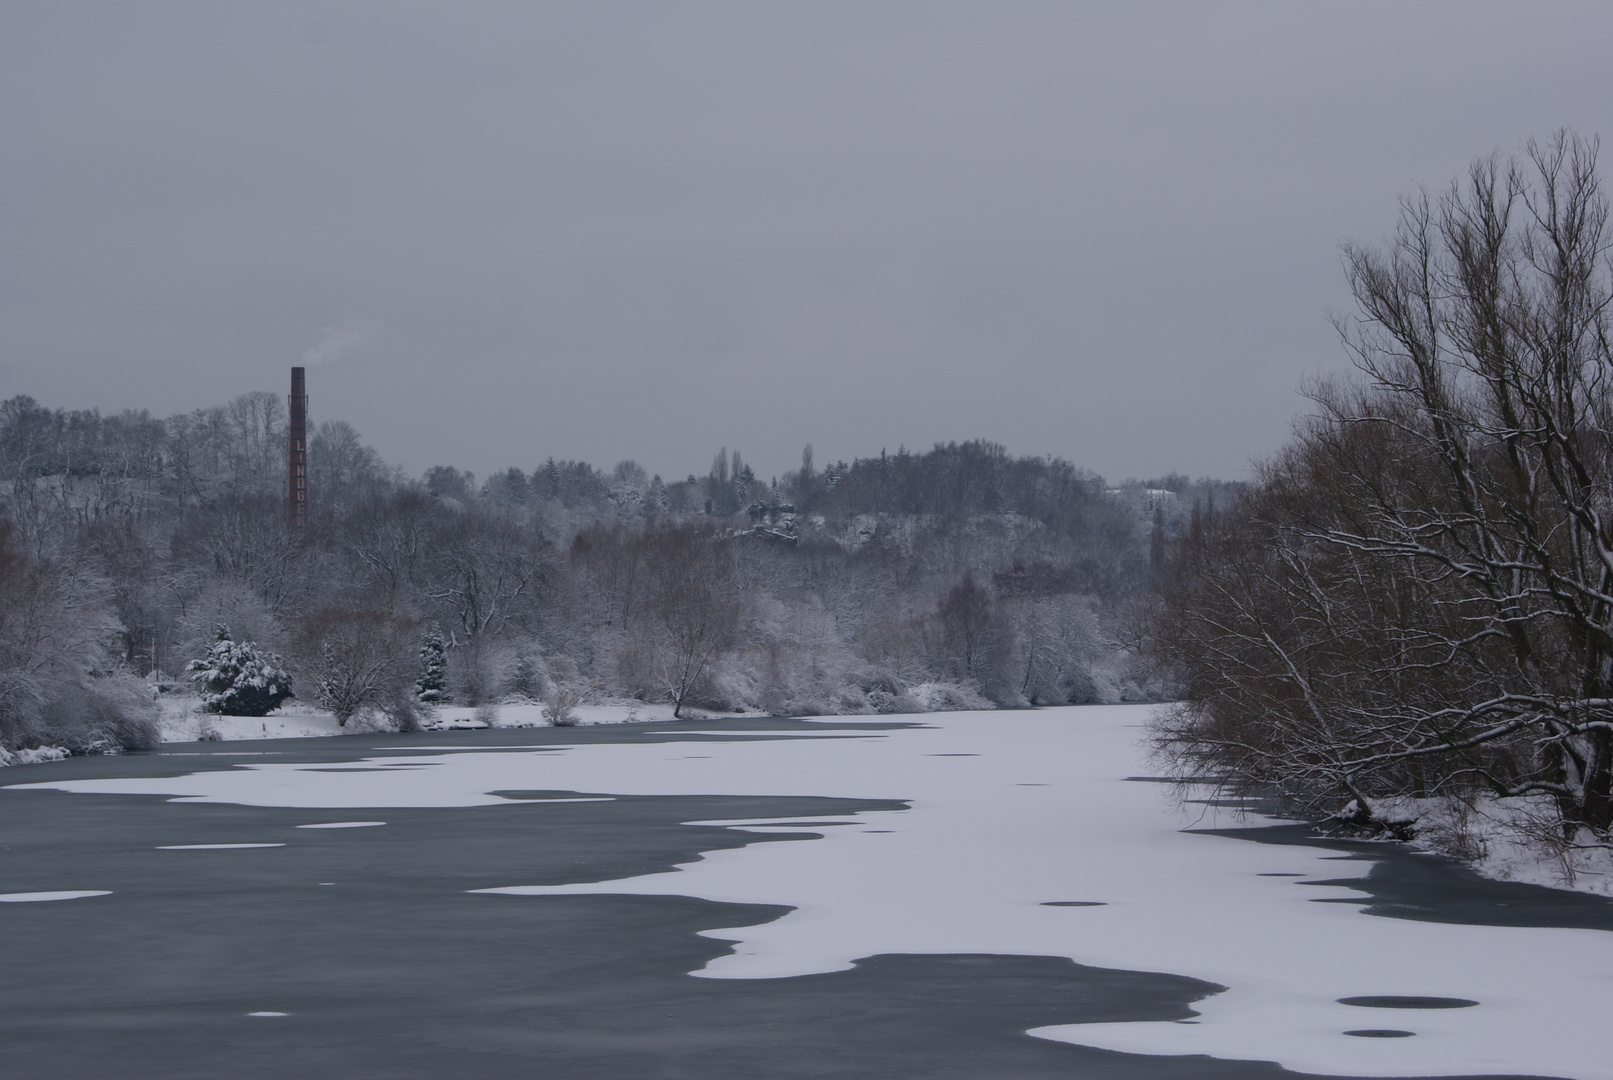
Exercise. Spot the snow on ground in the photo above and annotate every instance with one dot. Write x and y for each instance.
(32, 756)
(1011, 812)
(183, 721)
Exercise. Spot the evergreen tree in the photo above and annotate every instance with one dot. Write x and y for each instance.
(237, 681)
(432, 686)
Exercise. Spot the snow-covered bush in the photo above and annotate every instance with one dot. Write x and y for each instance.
(100, 715)
(938, 697)
(39, 754)
(214, 604)
(560, 707)
(32, 757)
(236, 680)
(525, 677)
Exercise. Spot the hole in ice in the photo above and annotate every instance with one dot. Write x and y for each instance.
(1381, 1033)
(211, 847)
(1403, 1001)
(39, 897)
(266, 1013)
(1279, 875)
(342, 825)
(787, 824)
(1074, 903)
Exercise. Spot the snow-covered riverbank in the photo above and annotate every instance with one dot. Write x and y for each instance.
(183, 721)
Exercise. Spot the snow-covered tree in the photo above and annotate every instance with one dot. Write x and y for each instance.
(432, 686)
(236, 680)
(358, 662)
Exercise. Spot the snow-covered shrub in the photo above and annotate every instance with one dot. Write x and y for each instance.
(560, 707)
(525, 678)
(216, 604)
(39, 754)
(938, 697)
(406, 710)
(725, 684)
(102, 715)
(32, 757)
(236, 680)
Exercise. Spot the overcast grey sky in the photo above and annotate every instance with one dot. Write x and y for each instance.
(499, 232)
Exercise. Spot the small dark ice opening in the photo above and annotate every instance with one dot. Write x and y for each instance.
(1381, 1033)
(1074, 903)
(1398, 1001)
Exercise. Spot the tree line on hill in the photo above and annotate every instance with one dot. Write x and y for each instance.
(158, 553)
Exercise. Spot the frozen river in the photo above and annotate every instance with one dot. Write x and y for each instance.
(853, 898)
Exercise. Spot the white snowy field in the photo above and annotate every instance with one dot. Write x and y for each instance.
(1011, 811)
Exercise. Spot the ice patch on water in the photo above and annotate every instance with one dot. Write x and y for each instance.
(39, 897)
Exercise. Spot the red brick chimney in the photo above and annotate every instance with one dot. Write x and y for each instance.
(298, 504)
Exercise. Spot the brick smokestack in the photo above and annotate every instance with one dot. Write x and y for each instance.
(298, 504)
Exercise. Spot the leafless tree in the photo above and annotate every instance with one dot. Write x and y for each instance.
(56, 682)
(360, 661)
(694, 609)
(1420, 594)
(342, 471)
(976, 641)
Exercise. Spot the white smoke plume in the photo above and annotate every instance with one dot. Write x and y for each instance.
(336, 342)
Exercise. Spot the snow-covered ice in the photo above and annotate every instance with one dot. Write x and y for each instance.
(1011, 811)
(38, 897)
